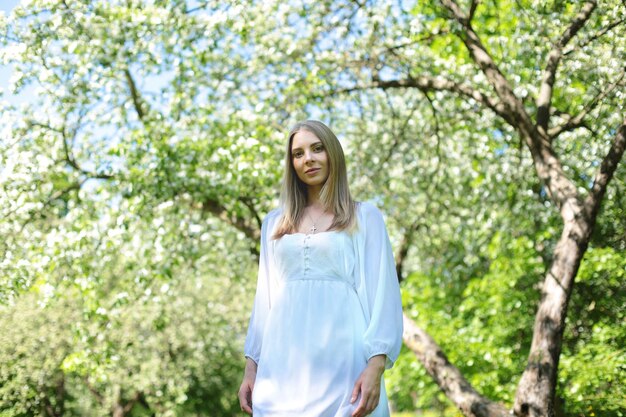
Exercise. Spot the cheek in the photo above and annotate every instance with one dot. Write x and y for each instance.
(297, 167)
(325, 160)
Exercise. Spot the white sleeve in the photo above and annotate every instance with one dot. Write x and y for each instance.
(262, 301)
(384, 330)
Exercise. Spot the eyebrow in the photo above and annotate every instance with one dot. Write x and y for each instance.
(313, 144)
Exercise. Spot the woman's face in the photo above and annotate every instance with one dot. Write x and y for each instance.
(309, 158)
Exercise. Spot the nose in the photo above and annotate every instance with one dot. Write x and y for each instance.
(309, 156)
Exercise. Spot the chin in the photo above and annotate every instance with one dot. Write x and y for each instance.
(314, 183)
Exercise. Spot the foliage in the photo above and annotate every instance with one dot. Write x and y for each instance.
(143, 155)
(594, 362)
(149, 320)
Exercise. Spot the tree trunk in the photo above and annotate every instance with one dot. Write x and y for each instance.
(536, 390)
(118, 411)
(122, 410)
(537, 387)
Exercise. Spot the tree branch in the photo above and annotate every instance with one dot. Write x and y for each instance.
(134, 94)
(456, 11)
(598, 35)
(605, 172)
(554, 57)
(426, 38)
(447, 376)
(513, 107)
(131, 403)
(426, 84)
(216, 208)
(32, 215)
(69, 158)
(405, 245)
(200, 6)
(247, 201)
(99, 397)
(578, 120)
(567, 125)
(472, 10)
(547, 164)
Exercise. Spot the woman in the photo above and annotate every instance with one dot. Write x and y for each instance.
(327, 317)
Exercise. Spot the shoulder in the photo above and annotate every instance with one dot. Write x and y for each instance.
(269, 221)
(272, 215)
(368, 211)
(370, 217)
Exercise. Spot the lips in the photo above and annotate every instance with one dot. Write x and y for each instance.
(311, 171)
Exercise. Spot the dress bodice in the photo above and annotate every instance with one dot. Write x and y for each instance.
(324, 255)
(325, 303)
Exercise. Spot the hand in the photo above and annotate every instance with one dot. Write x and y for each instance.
(247, 385)
(245, 395)
(368, 385)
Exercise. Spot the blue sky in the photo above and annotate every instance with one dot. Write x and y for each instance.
(8, 5)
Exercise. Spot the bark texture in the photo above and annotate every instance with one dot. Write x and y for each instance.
(536, 390)
(447, 376)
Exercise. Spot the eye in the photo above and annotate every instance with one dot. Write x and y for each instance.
(297, 154)
(318, 148)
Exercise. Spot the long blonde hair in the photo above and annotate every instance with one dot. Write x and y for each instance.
(335, 193)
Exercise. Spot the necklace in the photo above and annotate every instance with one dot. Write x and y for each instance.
(314, 228)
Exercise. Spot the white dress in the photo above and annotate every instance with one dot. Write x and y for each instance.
(325, 303)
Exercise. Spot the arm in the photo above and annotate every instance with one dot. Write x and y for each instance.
(254, 337)
(247, 385)
(368, 384)
(381, 293)
(262, 301)
(382, 290)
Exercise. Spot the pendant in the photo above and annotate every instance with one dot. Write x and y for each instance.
(313, 229)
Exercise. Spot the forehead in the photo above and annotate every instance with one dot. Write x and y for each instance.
(303, 139)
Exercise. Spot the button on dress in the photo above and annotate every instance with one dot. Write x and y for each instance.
(310, 330)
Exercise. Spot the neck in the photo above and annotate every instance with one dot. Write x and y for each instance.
(313, 196)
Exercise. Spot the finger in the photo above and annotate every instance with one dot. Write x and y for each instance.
(355, 392)
(371, 404)
(361, 408)
(245, 400)
(374, 400)
(370, 401)
(242, 403)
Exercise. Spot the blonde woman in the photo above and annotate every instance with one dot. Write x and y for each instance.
(327, 317)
